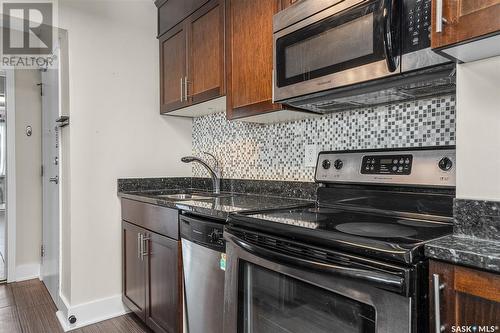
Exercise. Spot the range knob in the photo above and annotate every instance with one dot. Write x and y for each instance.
(326, 164)
(445, 164)
(338, 164)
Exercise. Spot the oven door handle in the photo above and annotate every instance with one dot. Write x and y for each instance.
(378, 279)
(391, 40)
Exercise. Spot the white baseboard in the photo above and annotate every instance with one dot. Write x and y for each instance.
(27, 272)
(91, 312)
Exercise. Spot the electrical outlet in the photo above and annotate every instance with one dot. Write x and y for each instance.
(310, 155)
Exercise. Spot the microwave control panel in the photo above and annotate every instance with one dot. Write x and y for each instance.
(387, 165)
(416, 25)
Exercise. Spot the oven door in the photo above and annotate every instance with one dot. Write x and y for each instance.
(350, 42)
(265, 292)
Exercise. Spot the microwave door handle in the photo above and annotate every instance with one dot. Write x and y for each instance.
(383, 280)
(390, 15)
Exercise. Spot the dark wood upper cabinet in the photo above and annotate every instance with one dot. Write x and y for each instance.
(464, 20)
(173, 69)
(192, 59)
(249, 57)
(172, 12)
(467, 296)
(205, 70)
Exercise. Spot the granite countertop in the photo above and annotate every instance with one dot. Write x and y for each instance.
(216, 207)
(476, 239)
(467, 251)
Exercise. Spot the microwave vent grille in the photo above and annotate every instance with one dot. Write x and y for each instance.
(433, 82)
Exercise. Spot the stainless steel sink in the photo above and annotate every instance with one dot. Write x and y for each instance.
(193, 196)
(184, 196)
(212, 195)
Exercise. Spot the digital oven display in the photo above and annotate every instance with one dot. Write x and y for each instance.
(387, 165)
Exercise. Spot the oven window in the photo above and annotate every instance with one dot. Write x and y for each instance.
(347, 40)
(270, 302)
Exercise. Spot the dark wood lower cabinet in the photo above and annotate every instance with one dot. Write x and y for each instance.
(467, 298)
(152, 265)
(163, 286)
(134, 293)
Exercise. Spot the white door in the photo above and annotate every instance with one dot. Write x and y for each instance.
(50, 152)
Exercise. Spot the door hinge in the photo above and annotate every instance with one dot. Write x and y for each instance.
(42, 251)
(41, 170)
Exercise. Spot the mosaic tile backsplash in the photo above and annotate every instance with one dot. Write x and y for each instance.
(276, 151)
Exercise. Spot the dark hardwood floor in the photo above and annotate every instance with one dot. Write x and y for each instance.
(27, 307)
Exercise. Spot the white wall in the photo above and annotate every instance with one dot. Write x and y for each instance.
(116, 131)
(28, 110)
(478, 130)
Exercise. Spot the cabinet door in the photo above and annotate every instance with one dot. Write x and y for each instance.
(172, 12)
(206, 52)
(468, 297)
(465, 19)
(163, 302)
(249, 57)
(173, 69)
(134, 272)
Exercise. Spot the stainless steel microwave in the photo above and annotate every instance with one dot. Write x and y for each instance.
(331, 54)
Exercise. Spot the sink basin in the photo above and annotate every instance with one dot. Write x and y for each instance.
(184, 196)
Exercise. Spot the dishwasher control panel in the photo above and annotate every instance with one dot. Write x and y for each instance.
(203, 232)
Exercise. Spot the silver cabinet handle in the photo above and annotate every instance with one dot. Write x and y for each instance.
(182, 89)
(54, 180)
(439, 16)
(185, 88)
(438, 287)
(139, 242)
(144, 246)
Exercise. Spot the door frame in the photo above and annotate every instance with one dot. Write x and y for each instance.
(10, 204)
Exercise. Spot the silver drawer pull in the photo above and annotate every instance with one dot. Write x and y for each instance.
(438, 287)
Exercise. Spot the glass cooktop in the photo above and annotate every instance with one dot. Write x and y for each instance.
(397, 238)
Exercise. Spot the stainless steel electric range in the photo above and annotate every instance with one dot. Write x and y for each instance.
(352, 262)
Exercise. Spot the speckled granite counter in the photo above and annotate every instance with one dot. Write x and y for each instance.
(218, 207)
(473, 252)
(476, 238)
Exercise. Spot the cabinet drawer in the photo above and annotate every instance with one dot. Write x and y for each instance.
(162, 220)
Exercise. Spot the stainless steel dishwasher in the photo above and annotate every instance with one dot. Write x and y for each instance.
(204, 259)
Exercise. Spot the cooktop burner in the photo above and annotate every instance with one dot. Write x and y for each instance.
(376, 230)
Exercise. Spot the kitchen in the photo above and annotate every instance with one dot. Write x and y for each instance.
(278, 166)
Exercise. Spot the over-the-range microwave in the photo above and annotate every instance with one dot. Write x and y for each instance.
(333, 55)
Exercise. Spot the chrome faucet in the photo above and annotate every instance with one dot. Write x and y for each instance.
(214, 172)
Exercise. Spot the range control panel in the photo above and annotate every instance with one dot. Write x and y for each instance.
(387, 165)
(417, 167)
